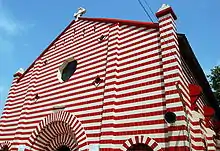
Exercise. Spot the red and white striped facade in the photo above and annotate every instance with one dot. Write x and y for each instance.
(144, 76)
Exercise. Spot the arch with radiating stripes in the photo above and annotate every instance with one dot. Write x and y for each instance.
(141, 139)
(61, 128)
(62, 139)
(53, 135)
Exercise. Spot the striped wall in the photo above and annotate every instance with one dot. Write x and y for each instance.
(196, 118)
(143, 76)
(175, 89)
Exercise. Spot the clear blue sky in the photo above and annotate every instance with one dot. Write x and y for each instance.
(27, 28)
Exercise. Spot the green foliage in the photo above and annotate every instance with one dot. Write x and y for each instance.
(214, 79)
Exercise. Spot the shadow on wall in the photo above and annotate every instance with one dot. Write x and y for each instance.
(180, 136)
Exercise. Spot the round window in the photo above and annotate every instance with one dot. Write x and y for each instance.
(67, 70)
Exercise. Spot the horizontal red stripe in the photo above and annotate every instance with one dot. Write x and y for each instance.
(123, 22)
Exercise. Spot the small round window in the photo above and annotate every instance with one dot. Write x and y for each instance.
(66, 70)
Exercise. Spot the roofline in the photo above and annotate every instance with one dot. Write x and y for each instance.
(45, 50)
(107, 20)
(198, 73)
(123, 22)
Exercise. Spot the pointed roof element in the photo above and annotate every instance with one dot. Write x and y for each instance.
(164, 6)
(80, 12)
(20, 70)
(106, 20)
(19, 73)
(164, 10)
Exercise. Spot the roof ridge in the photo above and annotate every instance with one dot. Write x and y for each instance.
(46, 49)
(123, 21)
(107, 20)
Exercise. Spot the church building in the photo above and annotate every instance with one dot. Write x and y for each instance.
(113, 85)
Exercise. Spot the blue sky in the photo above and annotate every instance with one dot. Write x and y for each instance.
(28, 27)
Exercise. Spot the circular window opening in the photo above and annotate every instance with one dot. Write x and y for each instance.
(67, 69)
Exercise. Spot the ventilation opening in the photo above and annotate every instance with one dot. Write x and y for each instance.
(36, 97)
(94, 28)
(72, 35)
(45, 62)
(83, 32)
(97, 81)
(101, 38)
(170, 117)
(66, 70)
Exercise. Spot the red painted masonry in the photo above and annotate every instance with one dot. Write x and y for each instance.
(144, 73)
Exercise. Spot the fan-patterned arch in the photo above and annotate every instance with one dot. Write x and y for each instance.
(50, 132)
(54, 125)
(63, 139)
(141, 139)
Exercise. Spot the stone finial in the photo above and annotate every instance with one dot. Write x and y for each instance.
(19, 72)
(79, 13)
(164, 10)
(197, 116)
(164, 6)
(209, 131)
